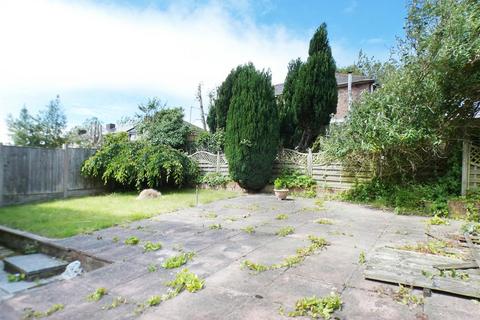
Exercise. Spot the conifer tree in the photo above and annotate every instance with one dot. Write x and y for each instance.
(252, 128)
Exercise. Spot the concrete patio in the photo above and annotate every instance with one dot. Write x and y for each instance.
(233, 292)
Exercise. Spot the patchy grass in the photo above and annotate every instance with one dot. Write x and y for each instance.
(285, 231)
(178, 260)
(314, 307)
(68, 217)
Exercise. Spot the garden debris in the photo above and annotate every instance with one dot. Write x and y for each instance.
(417, 269)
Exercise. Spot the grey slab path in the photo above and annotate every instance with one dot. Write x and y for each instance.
(232, 292)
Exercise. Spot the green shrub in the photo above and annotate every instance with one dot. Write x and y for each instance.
(252, 132)
(293, 179)
(215, 179)
(139, 164)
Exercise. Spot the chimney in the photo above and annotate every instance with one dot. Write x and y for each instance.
(349, 86)
(110, 127)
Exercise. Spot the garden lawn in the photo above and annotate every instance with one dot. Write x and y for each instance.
(65, 218)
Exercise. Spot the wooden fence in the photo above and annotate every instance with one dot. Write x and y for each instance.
(328, 175)
(29, 174)
(470, 166)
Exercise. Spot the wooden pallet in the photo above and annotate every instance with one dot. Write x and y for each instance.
(417, 270)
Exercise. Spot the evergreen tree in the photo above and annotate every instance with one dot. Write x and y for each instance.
(315, 97)
(218, 113)
(288, 118)
(24, 130)
(252, 131)
(53, 123)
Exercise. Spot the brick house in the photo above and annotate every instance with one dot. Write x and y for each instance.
(359, 84)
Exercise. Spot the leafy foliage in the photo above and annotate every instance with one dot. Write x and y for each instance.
(421, 109)
(215, 179)
(293, 179)
(139, 164)
(161, 126)
(252, 131)
(211, 142)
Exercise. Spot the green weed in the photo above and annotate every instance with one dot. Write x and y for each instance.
(97, 294)
(151, 246)
(314, 307)
(249, 229)
(178, 260)
(285, 231)
(281, 216)
(323, 221)
(186, 280)
(215, 226)
(361, 258)
(132, 241)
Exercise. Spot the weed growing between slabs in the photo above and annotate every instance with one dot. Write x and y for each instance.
(314, 307)
(97, 294)
(32, 314)
(151, 246)
(178, 260)
(184, 280)
(285, 231)
(249, 229)
(316, 243)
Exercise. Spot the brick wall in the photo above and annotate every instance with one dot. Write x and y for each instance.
(342, 104)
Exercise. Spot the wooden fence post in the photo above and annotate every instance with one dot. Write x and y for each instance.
(2, 168)
(309, 162)
(465, 165)
(65, 170)
(217, 169)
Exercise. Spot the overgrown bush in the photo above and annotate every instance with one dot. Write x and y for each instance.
(139, 164)
(215, 179)
(293, 179)
(211, 142)
(428, 197)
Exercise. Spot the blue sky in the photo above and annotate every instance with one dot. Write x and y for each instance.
(105, 57)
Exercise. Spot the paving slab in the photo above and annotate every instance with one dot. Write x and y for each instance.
(37, 265)
(231, 291)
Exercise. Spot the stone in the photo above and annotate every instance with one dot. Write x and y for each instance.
(36, 265)
(148, 194)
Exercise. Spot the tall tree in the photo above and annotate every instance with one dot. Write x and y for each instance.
(24, 130)
(200, 101)
(162, 126)
(252, 133)
(221, 102)
(44, 130)
(315, 95)
(53, 122)
(87, 135)
(287, 111)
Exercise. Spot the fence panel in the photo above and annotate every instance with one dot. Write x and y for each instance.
(327, 175)
(29, 174)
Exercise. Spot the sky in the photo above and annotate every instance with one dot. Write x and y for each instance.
(105, 57)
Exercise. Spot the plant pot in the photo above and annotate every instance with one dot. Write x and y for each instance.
(281, 194)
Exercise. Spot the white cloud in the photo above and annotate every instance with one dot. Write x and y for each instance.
(69, 46)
